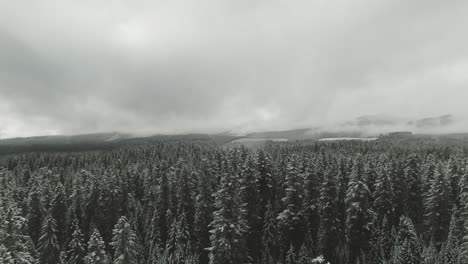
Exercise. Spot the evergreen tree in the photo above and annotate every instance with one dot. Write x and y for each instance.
(438, 213)
(407, 248)
(13, 236)
(35, 213)
(429, 255)
(449, 253)
(186, 200)
(358, 214)
(228, 226)
(96, 253)
(75, 253)
(415, 205)
(124, 243)
(329, 225)
(48, 248)
(383, 196)
(290, 220)
(385, 241)
(290, 256)
(270, 237)
(250, 197)
(266, 182)
(59, 210)
(163, 207)
(5, 256)
(204, 211)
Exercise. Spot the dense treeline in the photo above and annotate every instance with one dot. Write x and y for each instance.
(350, 202)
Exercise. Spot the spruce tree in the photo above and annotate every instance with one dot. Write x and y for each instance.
(163, 206)
(59, 210)
(463, 254)
(407, 248)
(228, 227)
(48, 248)
(290, 256)
(270, 236)
(124, 243)
(383, 196)
(437, 207)
(75, 253)
(204, 211)
(415, 205)
(5, 256)
(290, 220)
(35, 214)
(96, 253)
(449, 253)
(13, 234)
(358, 213)
(329, 225)
(250, 197)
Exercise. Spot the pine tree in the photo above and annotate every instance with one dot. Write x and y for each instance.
(228, 226)
(266, 181)
(312, 176)
(449, 253)
(383, 196)
(358, 214)
(270, 236)
(329, 225)
(304, 257)
(59, 209)
(415, 205)
(35, 214)
(290, 220)
(204, 211)
(163, 207)
(463, 254)
(186, 203)
(438, 212)
(399, 189)
(13, 234)
(96, 250)
(452, 176)
(290, 256)
(75, 253)
(48, 248)
(5, 256)
(406, 249)
(250, 197)
(124, 242)
(152, 242)
(385, 241)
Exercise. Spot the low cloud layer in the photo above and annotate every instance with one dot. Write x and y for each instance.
(211, 66)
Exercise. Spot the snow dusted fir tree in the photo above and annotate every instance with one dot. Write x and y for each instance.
(17, 246)
(5, 256)
(357, 214)
(75, 253)
(406, 249)
(290, 219)
(49, 250)
(228, 226)
(96, 250)
(125, 243)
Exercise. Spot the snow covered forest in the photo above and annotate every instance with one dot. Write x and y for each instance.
(286, 203)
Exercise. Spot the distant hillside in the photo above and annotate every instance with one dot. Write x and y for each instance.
(432, 122)
(62, 139)
(98, 141)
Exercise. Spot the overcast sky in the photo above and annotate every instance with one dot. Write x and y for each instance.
(173, 66)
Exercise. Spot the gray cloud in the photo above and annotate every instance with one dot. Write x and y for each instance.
(196, 66)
